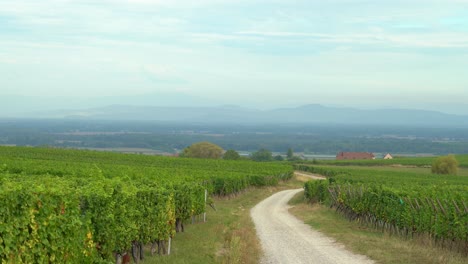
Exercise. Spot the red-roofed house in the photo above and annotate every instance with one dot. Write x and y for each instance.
(354, 156)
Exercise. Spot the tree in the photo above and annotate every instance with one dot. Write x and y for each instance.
(279, 158)
(203, 150)
(445, 165)
(231, 155)
(290, 153)
(262, 155)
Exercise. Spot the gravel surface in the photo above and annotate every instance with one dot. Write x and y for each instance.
(310, 175)
(285, 239)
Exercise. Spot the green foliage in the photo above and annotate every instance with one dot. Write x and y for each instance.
(262, 155)
(69, 206)
(203, 150)
(418, 202)
(316, 191)
(445, 165)
(295, 158)
(231, 155)
(41, 223)
(278, 158)
(290, 153)
(290, 156)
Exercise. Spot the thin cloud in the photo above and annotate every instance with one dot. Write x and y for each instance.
(436, 40)
(291, 50)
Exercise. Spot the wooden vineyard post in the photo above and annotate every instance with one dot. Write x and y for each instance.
(466, 208)
(456, 206)
(441, 207)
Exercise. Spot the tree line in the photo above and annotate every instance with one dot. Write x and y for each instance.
(207, 150)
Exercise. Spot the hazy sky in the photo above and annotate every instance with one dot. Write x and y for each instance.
(411, 53)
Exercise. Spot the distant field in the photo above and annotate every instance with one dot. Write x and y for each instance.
(419, 162)
(397, 178)
(378, 170)
(145, 151)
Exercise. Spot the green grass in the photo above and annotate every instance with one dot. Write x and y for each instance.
(228, 236)
(362, 240)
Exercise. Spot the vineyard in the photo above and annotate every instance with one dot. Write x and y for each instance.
(419, 162)
(70, 206)
(404, 203)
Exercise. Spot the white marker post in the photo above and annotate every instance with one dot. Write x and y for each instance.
(169, 247)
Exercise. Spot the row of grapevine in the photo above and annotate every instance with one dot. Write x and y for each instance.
(80, 209)
(56, 220)
(439, 212)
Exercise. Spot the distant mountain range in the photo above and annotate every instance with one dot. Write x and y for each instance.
(307, 114)
(179, 107)
(32, 106)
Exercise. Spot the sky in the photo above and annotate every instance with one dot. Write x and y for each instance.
(364, 53)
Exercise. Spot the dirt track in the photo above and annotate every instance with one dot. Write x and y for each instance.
(285, 239)
(310, 175)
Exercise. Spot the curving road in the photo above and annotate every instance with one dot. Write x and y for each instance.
(285, 239)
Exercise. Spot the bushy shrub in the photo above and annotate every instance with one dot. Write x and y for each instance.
(445, 165)
(203, 150)
(262, 155)
(231, 155)
(278, 158)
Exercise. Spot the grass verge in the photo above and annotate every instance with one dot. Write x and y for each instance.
(362, 240)
(228, 236)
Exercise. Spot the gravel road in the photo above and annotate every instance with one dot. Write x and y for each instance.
(285, 239)
(310, 175)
